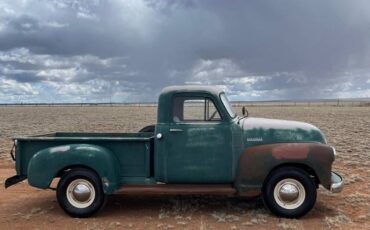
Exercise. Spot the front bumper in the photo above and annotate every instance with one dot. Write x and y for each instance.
(336, 183)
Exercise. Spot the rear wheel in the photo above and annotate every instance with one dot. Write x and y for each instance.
(80, 193)
(289, 192)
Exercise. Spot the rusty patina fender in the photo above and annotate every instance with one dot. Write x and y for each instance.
(257, 162)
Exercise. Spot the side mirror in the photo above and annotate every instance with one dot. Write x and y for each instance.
(244, 112)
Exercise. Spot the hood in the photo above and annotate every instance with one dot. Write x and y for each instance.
(259, 131)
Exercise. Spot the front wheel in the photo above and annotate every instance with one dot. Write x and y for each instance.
(80, 193)
(289, 192)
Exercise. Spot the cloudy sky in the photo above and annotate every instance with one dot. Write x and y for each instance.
(127, 50)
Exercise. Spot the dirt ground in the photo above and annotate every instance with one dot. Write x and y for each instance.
(24, 207)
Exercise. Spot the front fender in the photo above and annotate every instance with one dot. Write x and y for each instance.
(46, 164)
(257, 162)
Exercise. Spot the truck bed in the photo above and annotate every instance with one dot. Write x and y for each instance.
(134, 151)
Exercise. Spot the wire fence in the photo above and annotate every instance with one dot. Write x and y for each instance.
(329, 103)
(306, 103)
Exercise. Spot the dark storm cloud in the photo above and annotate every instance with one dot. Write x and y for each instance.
(25, 77)
(255, 49)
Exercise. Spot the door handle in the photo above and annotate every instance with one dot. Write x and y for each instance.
(176, 130)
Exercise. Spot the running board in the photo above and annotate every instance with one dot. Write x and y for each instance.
(178, 189)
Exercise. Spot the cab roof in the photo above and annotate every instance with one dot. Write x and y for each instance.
(191, 88)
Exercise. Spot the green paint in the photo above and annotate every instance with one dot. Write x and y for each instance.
(260, 131)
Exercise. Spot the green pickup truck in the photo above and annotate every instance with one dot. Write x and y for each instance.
(198, 146)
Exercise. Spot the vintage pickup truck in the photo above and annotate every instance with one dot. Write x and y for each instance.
(198, 146)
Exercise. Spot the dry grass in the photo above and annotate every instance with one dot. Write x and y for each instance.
(346, 128)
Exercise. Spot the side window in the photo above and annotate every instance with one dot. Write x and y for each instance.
(194, 109)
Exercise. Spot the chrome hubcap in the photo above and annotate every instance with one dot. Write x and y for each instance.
(289, 193)
(80, 193)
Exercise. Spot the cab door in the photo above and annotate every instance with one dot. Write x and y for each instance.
(197, 143)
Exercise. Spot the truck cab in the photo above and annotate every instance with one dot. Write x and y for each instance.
(198, 146)
(194, 136)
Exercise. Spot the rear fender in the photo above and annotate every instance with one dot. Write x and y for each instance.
(257, 162)
(46, 164)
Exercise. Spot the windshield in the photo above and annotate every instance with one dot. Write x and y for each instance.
(227, 105)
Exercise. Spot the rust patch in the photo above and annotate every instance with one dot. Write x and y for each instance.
(291, 151)
(258, 149)
(256, 162)
(250, 193)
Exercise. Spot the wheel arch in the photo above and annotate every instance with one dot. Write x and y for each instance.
(257, 162)
(308, 169)
(64, 170)
(61, 158)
